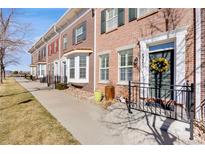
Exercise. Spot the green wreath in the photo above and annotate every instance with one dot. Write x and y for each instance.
(159, 65)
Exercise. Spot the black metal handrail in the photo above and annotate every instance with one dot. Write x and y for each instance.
(172, 101)
(53, 80)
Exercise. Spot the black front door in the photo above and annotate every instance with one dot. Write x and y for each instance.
(162, 82)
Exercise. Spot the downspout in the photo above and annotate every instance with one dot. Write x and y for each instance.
(46, 55)
(36, 65)
(59, 53)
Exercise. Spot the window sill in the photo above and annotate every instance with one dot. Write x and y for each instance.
(103, 82)
(78, 81)
(114, 29)
(146, 15)
(122, 83)
(77, 43)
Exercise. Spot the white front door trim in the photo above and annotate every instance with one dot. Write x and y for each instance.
(198, 64)
(179, 37)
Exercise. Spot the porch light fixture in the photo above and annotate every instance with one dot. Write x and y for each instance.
(135, 62)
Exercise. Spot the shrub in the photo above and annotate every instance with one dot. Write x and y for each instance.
(15, 72)
(61, 86)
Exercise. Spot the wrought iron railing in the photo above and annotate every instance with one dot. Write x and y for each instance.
(171, 101)
(53, 80)
(203, 112)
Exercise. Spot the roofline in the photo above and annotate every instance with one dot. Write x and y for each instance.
(52, 26)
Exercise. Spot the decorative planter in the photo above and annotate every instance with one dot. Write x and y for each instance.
(109, 92)
(98, 96)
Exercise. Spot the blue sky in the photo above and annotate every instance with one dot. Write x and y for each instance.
(40, 19)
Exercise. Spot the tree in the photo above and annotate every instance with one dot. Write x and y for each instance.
(12, 39)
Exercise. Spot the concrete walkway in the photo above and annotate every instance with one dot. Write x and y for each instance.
(80, 118)
(90, 124)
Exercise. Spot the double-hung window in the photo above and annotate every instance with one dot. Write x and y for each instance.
(65, 42)
(72, 68)
(111, 19)
(145, 11)
(42, 70)
(125, 65)
(44, 51)
(55, 46)
(104, 67)
(79, 34)
(82, 67)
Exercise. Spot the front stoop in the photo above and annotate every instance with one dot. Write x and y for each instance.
(146, 128)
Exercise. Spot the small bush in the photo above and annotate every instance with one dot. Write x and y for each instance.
(15, 72)
(61, 86)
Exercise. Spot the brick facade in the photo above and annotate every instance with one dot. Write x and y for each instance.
(203, 53)
(131, 33)
(88, 43)
(34, 58)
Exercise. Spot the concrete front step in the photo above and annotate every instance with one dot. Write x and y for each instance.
(146, 128)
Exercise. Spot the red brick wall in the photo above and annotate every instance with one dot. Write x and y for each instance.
(34, 58)
(203, 53)
(42, 58)
(53, 54)
(133, 31)
(86, 44)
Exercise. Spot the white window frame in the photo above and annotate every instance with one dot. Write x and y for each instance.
(78, 32)
(73, 67)
(124, 82)
(114, 17)
(55, 44)
(83, 67)
(65, 42)
(77, 78)
(148, 12)
(56, 68)
(106, 56)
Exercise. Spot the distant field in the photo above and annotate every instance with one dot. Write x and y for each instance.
(23, 120)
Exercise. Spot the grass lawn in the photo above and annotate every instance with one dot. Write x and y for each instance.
(23, 120)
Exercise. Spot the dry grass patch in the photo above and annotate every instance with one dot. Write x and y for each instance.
(24, 121)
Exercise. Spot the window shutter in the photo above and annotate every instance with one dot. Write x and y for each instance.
(84, 31)
(57, 45)
(103, 21)
(132, 14)
(73, 36)
(49, 50)
(52, 48)
(121, 16)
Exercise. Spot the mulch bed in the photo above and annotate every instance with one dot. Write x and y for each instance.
(199, 132)
(79, 93)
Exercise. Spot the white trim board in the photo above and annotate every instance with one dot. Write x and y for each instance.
(198, 64)
(179, 37)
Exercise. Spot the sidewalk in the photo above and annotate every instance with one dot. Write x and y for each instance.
(90, 124)
(80, 118)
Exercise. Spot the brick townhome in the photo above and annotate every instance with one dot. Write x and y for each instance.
(92, 48)
(38, 57)
(34, 61)
(69, 50)
(127, 35)
(77, 41)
